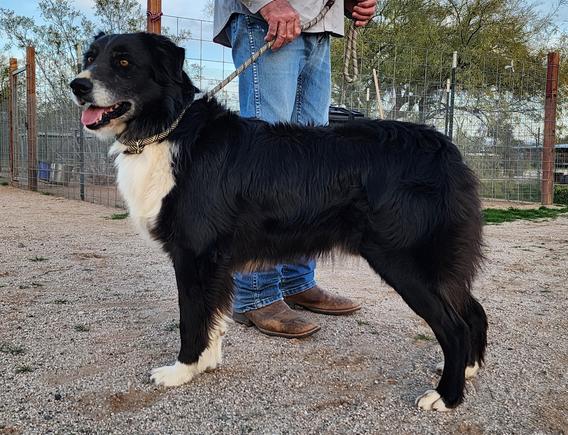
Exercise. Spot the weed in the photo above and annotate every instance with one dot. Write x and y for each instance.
(4, 183)
(12, 349)
(24, 369)
(423, 337)
(60, 301)
(81, 328)
(36, 259)
(172, 326)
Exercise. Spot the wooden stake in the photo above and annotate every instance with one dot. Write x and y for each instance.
(380, 111)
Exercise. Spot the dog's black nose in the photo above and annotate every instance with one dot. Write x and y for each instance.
(81, 87)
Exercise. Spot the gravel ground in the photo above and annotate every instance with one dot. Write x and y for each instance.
(87, 308)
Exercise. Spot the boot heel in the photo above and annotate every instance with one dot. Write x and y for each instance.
(242, 319)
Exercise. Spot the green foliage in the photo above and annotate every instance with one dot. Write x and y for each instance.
(561, 194)
(120, 16)
(499, 44)
(499, 216)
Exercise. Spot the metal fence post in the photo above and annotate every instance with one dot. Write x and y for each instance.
(31, 103)
(12, 114)
(547, 188)
(78, 51)
(154, 16)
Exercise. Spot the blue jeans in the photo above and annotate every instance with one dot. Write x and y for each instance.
(292, 84)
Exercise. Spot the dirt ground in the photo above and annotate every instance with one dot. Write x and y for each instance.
(87, 308)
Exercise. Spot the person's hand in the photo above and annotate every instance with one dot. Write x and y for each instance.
(283, 22)
(361, 10)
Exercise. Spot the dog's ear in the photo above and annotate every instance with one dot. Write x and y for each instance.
(99, 35)
(188, 88)
(170, 59)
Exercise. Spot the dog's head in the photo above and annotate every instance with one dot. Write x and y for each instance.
(131, 85)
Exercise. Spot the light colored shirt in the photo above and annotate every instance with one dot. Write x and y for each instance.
(308, 9)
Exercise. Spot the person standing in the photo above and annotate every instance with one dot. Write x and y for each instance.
(290, 83)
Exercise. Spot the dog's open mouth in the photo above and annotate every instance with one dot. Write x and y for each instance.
(95, 117)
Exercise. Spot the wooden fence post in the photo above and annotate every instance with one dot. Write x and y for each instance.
(12, 113)
(31, 103)
(547, 189)
(154, 16)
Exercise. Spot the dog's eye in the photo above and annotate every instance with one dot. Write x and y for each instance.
(123, 62)
(90, 59)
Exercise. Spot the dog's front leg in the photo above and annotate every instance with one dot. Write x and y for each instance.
(204, 289)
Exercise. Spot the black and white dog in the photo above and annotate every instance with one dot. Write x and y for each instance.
(221, 193)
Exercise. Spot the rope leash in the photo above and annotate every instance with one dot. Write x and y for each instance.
(136, 146)
(350, 53)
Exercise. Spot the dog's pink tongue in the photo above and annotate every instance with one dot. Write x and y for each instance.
(92, 115)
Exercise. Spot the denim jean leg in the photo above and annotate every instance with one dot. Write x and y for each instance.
(266, 91)
(297, 277)
(267, 88)
(256, 290)
(314, 90)
(311, 107)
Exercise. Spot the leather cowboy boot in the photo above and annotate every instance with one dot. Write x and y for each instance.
(277, 319)
(320, 301)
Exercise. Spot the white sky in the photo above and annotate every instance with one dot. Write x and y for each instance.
(185, 8)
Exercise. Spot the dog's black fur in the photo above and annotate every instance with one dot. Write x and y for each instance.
(397, 194)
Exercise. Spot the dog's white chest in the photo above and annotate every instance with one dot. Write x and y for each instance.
(144, 180)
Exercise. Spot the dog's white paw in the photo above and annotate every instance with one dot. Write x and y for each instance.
(180, 373)
(431, 399)
(172, 376)
(212, 356)
(470, 371)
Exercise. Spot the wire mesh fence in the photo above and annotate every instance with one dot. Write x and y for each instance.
(494, 112)
(207, 63)
(71, 162)
(4, 135)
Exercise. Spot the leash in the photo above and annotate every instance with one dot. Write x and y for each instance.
(350, 53)
(136, 146)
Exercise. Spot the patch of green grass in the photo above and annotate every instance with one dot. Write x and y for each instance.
(4, 183)
(12, 349)
(36, 259)
(499, 216)
(362, 322)
(118, 216)
(423, 337)
(81, 328)
(24, 369)
(60, 301)
(47, 193)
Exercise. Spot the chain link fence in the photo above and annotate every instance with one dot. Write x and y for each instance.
(494, 112)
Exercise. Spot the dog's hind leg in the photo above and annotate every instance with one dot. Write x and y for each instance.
(204, 291)
(401, 272)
